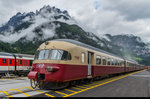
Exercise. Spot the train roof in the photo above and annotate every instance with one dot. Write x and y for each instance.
(130, 60)
(16, 54)
(85, 45)
(5, 54)
(24, 55)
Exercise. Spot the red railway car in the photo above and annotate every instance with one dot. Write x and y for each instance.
(59, 63)
(147, 67)
(12, 63)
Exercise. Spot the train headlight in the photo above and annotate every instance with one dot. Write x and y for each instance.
(49, 68)
(52, 68)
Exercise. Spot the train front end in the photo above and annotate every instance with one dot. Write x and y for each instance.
(47, 70)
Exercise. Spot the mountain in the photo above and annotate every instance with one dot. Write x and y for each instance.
(23, 33)
(132, 47)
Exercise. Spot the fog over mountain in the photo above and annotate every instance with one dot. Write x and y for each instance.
(24, 25)
(101, 17)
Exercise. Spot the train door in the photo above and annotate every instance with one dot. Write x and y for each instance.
(90, 64)
(9, 64)
(31, 61)
(17, 64)
(125, 66)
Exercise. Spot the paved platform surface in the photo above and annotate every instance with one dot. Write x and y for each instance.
(137, 85)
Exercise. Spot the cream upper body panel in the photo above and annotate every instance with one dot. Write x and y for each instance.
(75, 51)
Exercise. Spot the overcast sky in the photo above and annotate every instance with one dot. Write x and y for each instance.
(97, 16)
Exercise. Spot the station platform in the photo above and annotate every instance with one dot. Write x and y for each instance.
(134, 84)
(137, 85)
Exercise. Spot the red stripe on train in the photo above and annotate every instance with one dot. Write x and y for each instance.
(73, 72)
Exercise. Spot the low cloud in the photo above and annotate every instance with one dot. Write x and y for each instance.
(97, 16)
(43, 19)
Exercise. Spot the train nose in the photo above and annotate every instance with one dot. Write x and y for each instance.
(33, 75)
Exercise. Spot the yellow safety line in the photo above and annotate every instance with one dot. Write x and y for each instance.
(61, 93)
(49, 95)
(88, 85)
(81, 86)
(67, 95)
(12, 78)
(34, 89)
(101, 84)
(22, 92)
(41, 92)
(10, 89)
(77, 88)
(70, 90)
(6, 93)
(22, 88)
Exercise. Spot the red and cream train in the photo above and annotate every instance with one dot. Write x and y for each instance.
(12, 63)
(61, 62)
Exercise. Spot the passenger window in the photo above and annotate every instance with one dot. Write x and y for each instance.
(98, 60)
(109, 61)
(116, 62)
(31, 61)
(83, 58)
(112, 61)
(104, 60)
(4, 61)
(10, 61)
(20, 61)
(122, 63)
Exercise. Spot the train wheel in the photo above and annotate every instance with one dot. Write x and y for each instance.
(90, 80)
(0, 76)
(73, 83)
(33, 83)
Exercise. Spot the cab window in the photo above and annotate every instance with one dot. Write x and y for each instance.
(43, 54)
(52, 55)
(59, 55)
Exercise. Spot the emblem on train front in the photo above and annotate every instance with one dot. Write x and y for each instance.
(40, 65)
(77, 57)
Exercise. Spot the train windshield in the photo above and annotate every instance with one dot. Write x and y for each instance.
(42, 54)
(52, 55)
